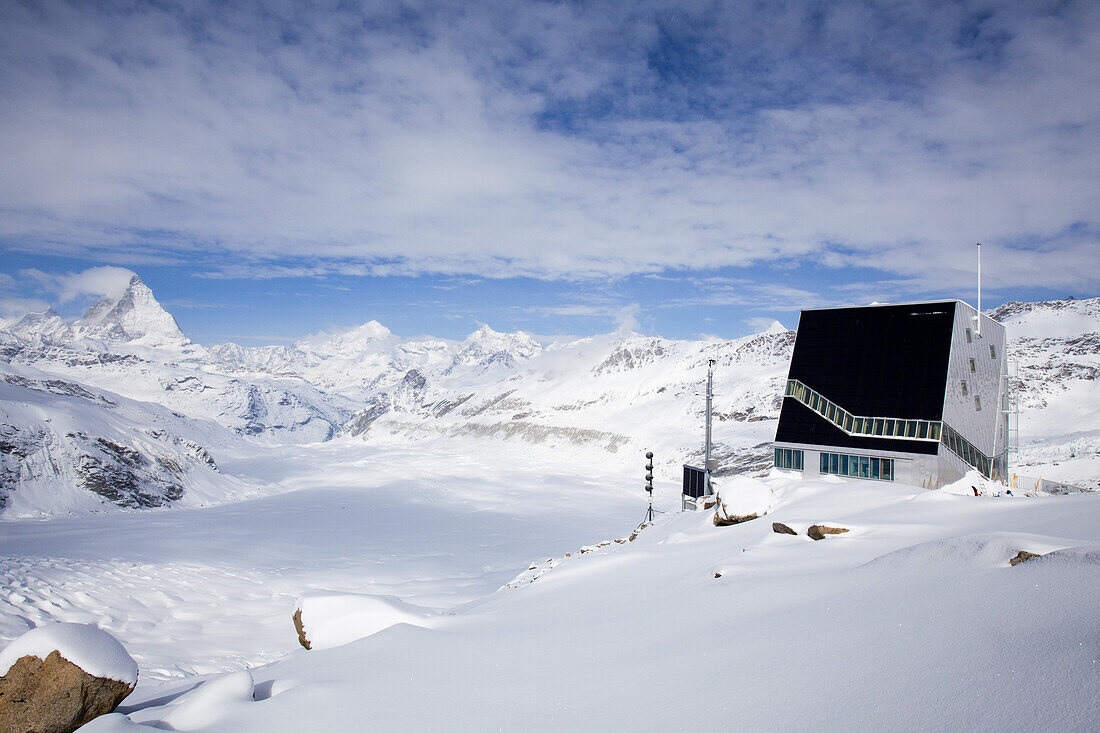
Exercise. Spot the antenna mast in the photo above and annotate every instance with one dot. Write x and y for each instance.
(978, 318)
(710, 397)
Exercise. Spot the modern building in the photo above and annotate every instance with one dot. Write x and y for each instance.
(915, 393)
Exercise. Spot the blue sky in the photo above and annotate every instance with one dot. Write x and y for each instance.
(278, 169)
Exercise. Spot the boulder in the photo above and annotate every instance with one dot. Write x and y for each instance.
(54, 695)
(721, 519)
(1022, 556)
(818, 531)
(780, 528)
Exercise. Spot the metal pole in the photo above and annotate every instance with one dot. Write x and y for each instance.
(710, 397)
(978, 330)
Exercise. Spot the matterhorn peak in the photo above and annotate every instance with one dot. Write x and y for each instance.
(134, 315)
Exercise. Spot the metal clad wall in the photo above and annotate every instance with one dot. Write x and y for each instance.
(959, 411)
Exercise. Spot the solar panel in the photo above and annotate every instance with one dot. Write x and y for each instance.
(695, 482)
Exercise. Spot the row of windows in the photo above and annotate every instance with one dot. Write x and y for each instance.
(788, 458)
(883, 427)
(961, 447)
(858, 466)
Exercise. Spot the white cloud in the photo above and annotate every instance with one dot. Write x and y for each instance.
(11, 309)
(106, 280)
(444, 141)
(759, 325)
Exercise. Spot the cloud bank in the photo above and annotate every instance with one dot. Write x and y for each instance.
(556, 140)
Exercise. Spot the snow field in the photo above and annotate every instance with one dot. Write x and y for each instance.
(914, 620)
(204, 591)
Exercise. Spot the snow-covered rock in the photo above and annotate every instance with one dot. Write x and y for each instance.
(326, 619)
(87, 646)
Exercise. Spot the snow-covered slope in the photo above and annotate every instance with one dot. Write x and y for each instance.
(1055, 346)
(66, 448)
(914, 619)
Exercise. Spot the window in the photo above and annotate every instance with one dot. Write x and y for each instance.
(878, 426)
(969, 338)
(992, 351)
(972, 367)
(977, 403)
(922, 429)
(965, 390)
(888, 427)
(911, 428)
(788, 458)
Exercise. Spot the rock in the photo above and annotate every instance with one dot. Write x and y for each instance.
(1022, 556)
(54, 695)
(301, 631)
(725, 520)
(718, 575)
(818, 531)
(780, 528)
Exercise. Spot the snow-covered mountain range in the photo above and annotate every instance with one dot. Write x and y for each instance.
(120, 408)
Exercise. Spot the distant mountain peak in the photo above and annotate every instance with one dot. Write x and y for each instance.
(134, 315)
(46, 325)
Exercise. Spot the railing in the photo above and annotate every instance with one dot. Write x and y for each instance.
(931, 431)
(861, 426)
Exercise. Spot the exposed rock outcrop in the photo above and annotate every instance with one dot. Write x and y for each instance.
(780, 528)
(1023, 556)
(54, 695)
(819, 531)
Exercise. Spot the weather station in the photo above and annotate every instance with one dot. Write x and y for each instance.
(697, 483)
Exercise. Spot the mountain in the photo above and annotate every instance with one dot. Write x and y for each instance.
(68, 448)
(42, 326)
(605, 399)
(1054, 352)
(134, 316)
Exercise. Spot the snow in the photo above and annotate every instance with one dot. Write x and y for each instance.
(85, 645)
(209, 702)
(465, 561)
(332, 619)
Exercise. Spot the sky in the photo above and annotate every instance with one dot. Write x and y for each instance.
(273, 169)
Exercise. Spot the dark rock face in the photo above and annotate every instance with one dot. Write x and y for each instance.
(780, 528)
(54, 696)
(1022, 556)
(818, 531)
